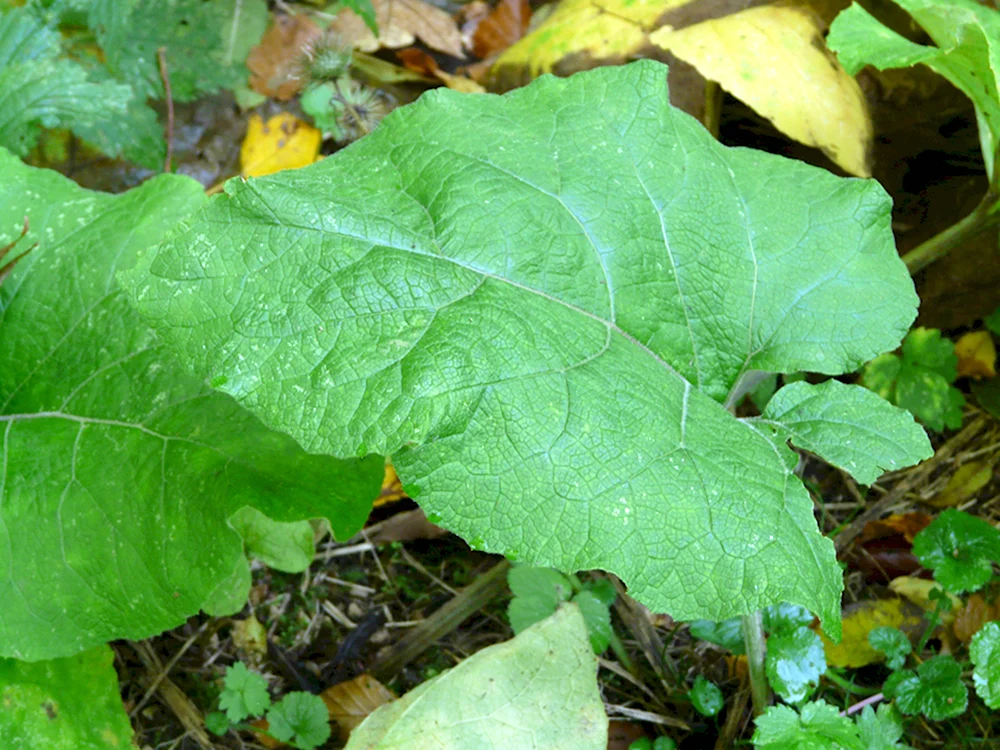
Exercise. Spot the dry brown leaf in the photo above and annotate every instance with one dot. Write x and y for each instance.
(621, 734)
(970, 618)
(404, 527)
(977, 355)
(420, 62)
(350, 702)
(906, 525)
(250, 639)
(497, 30)
(273, 63)
(399, 23)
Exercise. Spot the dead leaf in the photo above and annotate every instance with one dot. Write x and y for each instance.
(977, 355)
(918, 591)
(621, 734)
(379, 73)
(285, 142)
(970, 618)
(420, 62)
(350, 702)
(859, 619)
(392, 488)
(273, 64)
(967, 480)
(404, 527)
(884, 548)
(774, 59)
(497, 30)
(906, 525)
(250, 639)
(399, 23)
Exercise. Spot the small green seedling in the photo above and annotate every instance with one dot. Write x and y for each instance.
(961, 550)
(892, 642)
(935, 690)
(819, 726)
(660, 743)
(706, 697)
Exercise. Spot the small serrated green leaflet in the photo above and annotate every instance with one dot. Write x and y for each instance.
(706, 697)
(539, 318)
(300, 719)
(892, 642)
(882, 730)
(598, 618)
(63, 704)
(535, 692)
(960, 549)
(966, 54)
(794, 663)
(934, 690)
(848, 426)
(819, 726)
(984, 650)
(245, 693)
(217, 722)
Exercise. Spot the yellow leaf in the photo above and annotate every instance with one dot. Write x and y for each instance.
(918, 591)
(774, 59)
(392, 488)
(858, 621)
(285, 142)
(967, 480)
(977, 355)
(595, 29)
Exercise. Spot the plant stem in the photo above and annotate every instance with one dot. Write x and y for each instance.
(985, 216)
(753, 639)
(848, 687)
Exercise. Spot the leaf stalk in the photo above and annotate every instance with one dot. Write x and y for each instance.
(753, 640)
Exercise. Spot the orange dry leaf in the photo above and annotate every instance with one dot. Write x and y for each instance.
(420, 62)
(399, 23)
(392, 488)
(285, 142)
(977, 356)
(970, 618)
(350, 702)
(906, 525)
(495, 32)
(273, 63)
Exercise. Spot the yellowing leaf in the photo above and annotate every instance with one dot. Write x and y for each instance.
(351, 702)
(774, 59)
(392, 488)
(285, 142)
(399, 23)
(595, 29)
(859, 620)
(977, 355)
(918, 591)
(967, 480)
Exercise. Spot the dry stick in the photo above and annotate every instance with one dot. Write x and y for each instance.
(161, 55)
(170, 665)
(736, 717)
(635, 617)
(472, 598)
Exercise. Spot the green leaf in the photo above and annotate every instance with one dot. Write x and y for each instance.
(920, 381)
(538, 320)
(283, 546)
(934, 690)
(848, 426)
(882, 730)
(217, 723)
(122, 470)
(535, 692)
(960, 549)
(992, 321)
(706, 697)
(63, 704)
(365, 10)
(892, 642)
(984, 650)
(538, 592)
(598, 618)
(966, 54)
(785, 618)
(728, 633)
(818, 727)
(794, 663)
(245, 693)
(300, 719)
(603, 589)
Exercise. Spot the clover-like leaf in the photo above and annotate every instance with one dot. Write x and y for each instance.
(818, 727)
(965, 33)
(706, 697)
(984, 650)
(882, 730)
(794, 663)
(728, 633)
(934, 690)
(245, 693)
(300, 719)
(960, 549)
(121, 469)
(539, 318)
(892, 642)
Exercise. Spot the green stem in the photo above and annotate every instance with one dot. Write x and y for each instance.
(985, 216)
(848, 687)
(753, 639)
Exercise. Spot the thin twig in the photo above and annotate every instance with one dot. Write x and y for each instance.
(161, 55)
(870, 700)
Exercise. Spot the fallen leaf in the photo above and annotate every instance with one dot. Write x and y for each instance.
(378, 72)
(420, 62)
(392, 488)
(918, 591)
(621, 734)
(774, 59)
(285, 142)
(404, 527)
(906, 525)
(970, 618)
(273, 64)
(350, 702)
(884, 548)
(250, 639)
(399, 23)
(977, 355)
(967, 480)
(859, 620)
(499, 29)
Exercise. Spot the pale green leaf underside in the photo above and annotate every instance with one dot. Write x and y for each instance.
(536, 303)
(118, 469)
(537, 691)
(967, 53)
(847, 425)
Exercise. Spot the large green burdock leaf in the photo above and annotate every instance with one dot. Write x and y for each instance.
(120, 469)
(537, 303)
(63, 704)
